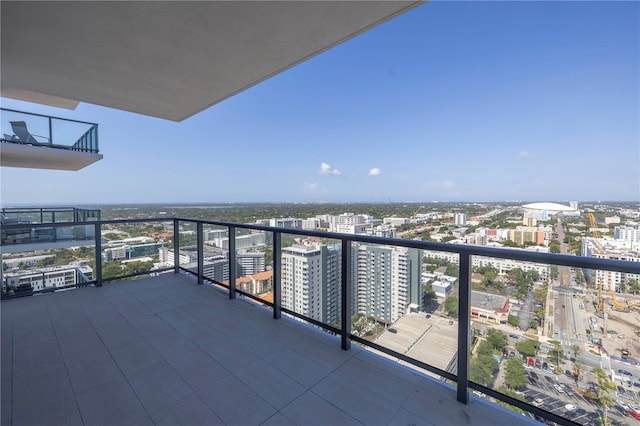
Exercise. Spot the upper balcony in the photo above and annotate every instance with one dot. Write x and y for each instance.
(43, 142)
(189, 347)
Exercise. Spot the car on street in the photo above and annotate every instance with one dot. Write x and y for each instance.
(621, 404)
(634, 411)
(625, 372)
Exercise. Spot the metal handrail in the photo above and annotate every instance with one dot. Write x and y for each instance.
(344, 330)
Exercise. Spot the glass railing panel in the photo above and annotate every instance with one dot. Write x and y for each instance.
(132, 249)
(216, 253)
(311, 277)
(254, 263)
(188, 246)
(24, 128)
(42, 266)
(33, 129)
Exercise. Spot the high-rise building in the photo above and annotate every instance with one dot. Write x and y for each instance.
(626, 233)
(460, 219)
(386, 281)
(311, 281)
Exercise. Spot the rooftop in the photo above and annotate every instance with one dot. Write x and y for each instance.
(165, 350)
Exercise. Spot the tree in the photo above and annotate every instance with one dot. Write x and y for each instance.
(634, 285)
(515, 376)
(451, 305)
(482, 368)
(428, 295)
(513, 320)
(527, 347)
(497, 339)
(577, 373)
(604, 386)
(576, 349)
(622, 287)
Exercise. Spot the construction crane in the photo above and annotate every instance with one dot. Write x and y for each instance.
(596, 240)
(413, 216)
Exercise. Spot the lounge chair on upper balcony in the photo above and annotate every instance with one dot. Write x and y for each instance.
(23, 135)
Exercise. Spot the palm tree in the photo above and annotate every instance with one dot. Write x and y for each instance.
(576, 349)
(577, 371)
(604, 386)
(634, 285)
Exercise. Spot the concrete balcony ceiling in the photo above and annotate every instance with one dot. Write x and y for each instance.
(167, 59)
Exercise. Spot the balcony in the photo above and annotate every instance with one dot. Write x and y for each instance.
(43, 142)
(181, 347)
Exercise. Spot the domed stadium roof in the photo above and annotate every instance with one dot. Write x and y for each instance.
(549, 207)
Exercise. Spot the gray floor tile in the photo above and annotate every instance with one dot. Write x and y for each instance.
(188, 411)
(36, 333)
(405, 418)
(260, 377)
(361, 403)
(380, 382)
(277, 420)
(102, 314)
(135, 356)
(118, 334)
(158, 304)
(34, 358)
(6, 364)
(112, 403)
(230, 355)
(5, 405)
(50, 388)
(85, 345)
(70, 325)
(227, 399)
(157, 386)
(312, 410)
(196, 368)
(298, 366)
(87, 373)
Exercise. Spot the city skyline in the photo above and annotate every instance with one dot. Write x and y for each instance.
(450, 102)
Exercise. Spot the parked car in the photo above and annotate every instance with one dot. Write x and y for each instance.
(625, 372)
(621, 404)
(538, 402)
(558, 388)
(634, 411)
(533, 375)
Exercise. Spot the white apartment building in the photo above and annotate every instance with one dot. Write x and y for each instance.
(395, 221)
(502, 265)
(626, 233)
(48, 278)
(311, 280)
(255, 240)
(605, 248)
(386, 282)
(460, 219)
(288, 222)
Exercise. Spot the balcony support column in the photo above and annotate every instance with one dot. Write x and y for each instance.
(345, 293)
(464, 321)
(176, 246)
(98, 243)
(277, 271)
(200, 243)
(232, 262)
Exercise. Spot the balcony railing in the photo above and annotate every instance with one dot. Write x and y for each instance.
(26, 128)
(456, 369)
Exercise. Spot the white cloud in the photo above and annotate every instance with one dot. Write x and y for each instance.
(375, 172)
(325, 169)
(446, 184)
(314, 188)
(524, 155)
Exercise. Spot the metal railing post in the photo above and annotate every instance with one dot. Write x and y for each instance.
(464, 324)
(200, 243)
(277, 273)
(98, 245)
(345, 292)
(176, 246)
(50, 132)
(232, 262)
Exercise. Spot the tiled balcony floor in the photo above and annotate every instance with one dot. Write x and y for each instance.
(165, 351)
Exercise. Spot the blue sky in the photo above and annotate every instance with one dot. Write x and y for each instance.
(453, 101)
